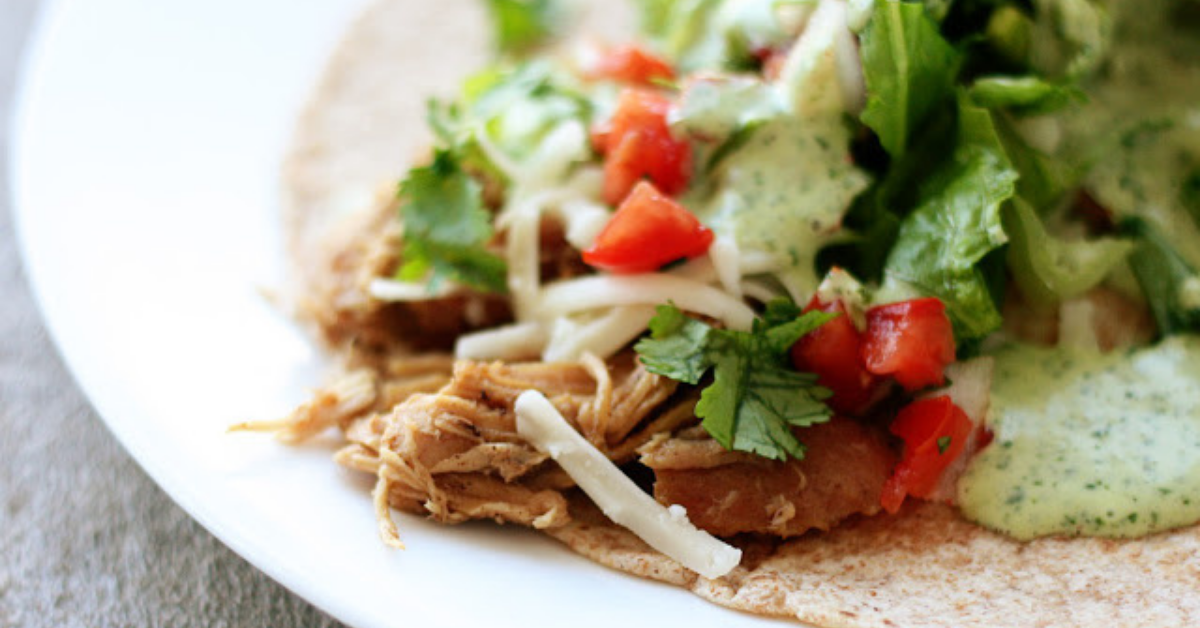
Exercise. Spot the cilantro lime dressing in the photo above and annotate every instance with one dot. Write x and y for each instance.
(785, 193)
(1148, 93)
(785, 182)
(1090, 444)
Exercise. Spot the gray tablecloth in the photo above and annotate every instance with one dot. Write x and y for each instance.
(86, 538)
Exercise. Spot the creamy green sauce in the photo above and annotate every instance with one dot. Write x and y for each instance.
(788, 182)
(1090, 444)
(1139, 134)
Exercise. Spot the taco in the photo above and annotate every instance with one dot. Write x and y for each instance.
(898, 302)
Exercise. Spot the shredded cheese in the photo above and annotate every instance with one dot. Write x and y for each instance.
(588, 293)
(392, 290)
(510, 342)
(521, 250)
(849, 66)
(584, 220)
(666, 530)
(601, 336)
(727, 263)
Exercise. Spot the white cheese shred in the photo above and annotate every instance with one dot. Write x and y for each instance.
(510, 342)
(589, 293)
(521, 251)
(393, 290)
(667, 531)
(725, 260)
(602, 336)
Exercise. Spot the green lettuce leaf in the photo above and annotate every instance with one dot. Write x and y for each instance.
(1189, 196)
(713, 34)
(1170, 283)
(909, 69)
(520, 25)
(1023, 95)
(1070, 38)
(1045, 180)
(956, 223)
(1049, 269)
(510, 108)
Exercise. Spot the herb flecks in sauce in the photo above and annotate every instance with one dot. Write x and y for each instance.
(1087, 444)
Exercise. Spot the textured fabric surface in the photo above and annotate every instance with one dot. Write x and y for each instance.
(86, 538)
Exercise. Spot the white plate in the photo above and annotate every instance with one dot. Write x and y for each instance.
(147, 147)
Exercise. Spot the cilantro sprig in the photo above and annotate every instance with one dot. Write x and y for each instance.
(755, 397)
(446, 228)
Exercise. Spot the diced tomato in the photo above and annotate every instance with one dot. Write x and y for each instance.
(834, 352)
(911, 341)
(934, 432)
(648, 231)
(631, 64)
(638, 145)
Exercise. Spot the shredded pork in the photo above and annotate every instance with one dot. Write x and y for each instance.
(334, 294)
(728, 493)
(455, 454)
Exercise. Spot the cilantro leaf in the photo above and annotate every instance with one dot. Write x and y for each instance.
(755, 398)
(676, 346)
(446, 228)
(520, 25)
(779, 311)
(909, 70)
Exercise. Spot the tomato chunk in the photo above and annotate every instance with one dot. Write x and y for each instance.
(934, 432)
(638, 144)
(833, 351)
(647, 231)
(911, 341)
(631, 64)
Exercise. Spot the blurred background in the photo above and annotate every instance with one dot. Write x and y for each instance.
(86, 538)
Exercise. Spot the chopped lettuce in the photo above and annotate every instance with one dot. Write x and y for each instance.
(1170, 283)
(1051, 269)
(781, 180)
(956, 223)
(909, 69)
(1070, 38)
(1189, 196)
(1045, 180)
(446, 228)
(1024, 95)
(755, 397)
(520, 25)
(510, 110)
(715, 34)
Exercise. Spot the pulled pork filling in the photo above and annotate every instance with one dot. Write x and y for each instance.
(743, 262)
(440, 436)
(439, 433)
